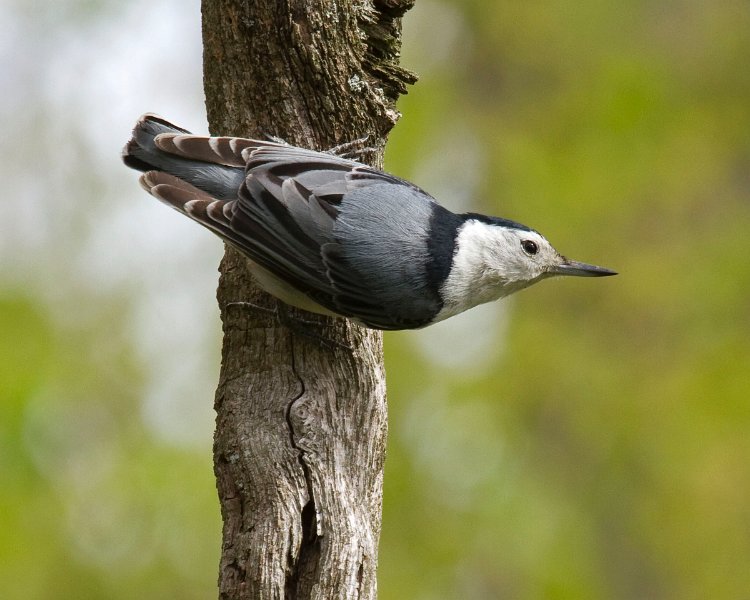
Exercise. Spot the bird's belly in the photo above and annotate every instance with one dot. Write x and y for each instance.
(285, 292)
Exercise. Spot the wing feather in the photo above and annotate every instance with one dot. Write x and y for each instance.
(284, 217)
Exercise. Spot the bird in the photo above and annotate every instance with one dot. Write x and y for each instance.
(331, 235)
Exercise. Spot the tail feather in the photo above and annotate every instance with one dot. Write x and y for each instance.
(191, 201)
(202, 169)
(140, 152)
(222, 150)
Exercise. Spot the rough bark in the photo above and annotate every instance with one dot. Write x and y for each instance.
(301, 422)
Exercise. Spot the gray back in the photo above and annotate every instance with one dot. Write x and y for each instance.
(383, 231)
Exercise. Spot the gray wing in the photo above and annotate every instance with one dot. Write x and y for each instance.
(350, 237)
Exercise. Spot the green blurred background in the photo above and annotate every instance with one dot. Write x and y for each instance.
(585, 439)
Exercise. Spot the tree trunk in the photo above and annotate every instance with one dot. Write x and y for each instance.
(301, 412)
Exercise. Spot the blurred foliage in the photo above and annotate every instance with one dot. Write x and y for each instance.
(587, 439)
(621, 131)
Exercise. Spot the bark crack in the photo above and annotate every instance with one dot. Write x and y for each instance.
(307, 559)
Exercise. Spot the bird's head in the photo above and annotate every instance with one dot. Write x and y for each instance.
(496, 257)
(516, 256)
(525, 256)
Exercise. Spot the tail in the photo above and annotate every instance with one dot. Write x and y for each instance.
(213, 165)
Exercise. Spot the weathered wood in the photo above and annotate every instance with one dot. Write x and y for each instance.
(301, 423)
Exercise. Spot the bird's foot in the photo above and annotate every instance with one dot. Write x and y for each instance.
(355, 149)
(295, 324)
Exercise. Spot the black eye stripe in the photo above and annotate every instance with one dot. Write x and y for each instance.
(529, 247)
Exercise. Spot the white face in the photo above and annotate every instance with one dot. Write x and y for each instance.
(521, 257)
(492, 261)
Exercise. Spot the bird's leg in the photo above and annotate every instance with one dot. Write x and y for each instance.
(294, 323)
(275, 139)
(354, 149)
(306, 328)
(273, 311)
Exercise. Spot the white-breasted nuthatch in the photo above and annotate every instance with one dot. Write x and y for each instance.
(333, 236)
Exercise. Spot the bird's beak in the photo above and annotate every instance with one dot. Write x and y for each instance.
(579, 269)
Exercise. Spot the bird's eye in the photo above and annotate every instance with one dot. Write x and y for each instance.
(529, 247)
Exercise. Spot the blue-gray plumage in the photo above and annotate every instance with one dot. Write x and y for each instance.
(334, 236)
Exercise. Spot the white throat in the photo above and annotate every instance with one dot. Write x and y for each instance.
(481, 270)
